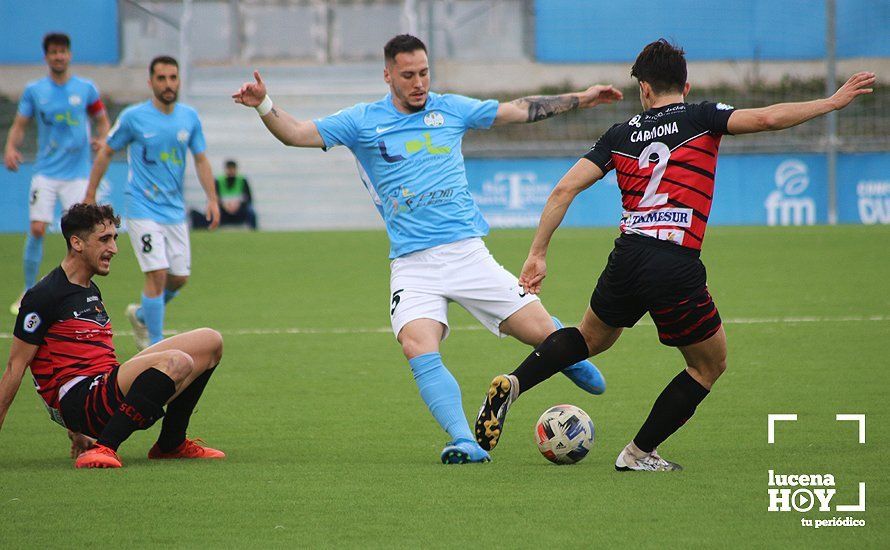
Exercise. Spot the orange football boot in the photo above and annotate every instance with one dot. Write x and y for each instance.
(189, 449)
(99, 456)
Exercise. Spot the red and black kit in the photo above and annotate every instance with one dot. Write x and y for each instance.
(72, 330)
(665, 160)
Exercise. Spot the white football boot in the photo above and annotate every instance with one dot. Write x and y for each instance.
(632, 459)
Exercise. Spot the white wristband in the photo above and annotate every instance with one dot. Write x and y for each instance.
(265, 107)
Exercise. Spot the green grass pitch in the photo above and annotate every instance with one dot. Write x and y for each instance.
(329, 444)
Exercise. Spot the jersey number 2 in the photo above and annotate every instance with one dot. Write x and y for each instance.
(660, 150)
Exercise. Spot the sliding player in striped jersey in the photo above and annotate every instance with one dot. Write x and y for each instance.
(64, 335)
(665, 159)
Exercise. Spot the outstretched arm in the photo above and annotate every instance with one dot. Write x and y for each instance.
(288, 130)
(786, 115)
(20, 356)
(581, 176)
(539, 107)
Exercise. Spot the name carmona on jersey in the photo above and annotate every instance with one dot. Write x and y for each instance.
(657, 132)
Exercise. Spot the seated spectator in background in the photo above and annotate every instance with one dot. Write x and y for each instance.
(235, 202)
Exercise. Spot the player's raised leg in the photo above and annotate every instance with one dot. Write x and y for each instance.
(438, 388)
(532, 325)
(559, 350)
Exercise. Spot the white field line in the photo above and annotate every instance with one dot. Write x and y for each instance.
(645, 322)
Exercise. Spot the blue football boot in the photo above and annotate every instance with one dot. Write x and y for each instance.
(584, 374)
(463, 451)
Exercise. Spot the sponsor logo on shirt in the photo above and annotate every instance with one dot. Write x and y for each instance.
(406, 200)
(680, 217)
(171, 157)
(413, 146)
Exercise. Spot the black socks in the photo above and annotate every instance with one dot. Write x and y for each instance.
(142, 407)
(179, 412)
(562, 349)
(672, 409)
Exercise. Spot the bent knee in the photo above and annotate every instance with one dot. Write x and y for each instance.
(412, 346)
(176, 364)
(214, 342)
(38, 230)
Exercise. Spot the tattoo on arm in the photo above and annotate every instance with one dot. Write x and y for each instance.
(541, 107)
(274, 112)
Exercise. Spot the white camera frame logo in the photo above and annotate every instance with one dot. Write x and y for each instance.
(804, 499)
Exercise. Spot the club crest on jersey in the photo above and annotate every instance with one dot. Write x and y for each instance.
(182, 136)
(74, 100)
(31, 322)
(434, 119)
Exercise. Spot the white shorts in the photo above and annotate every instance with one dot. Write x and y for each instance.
(45, 191)
(161, 246)
(424, 282)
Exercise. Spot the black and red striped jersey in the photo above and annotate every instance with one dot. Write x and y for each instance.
(71, 328)
(665, 160)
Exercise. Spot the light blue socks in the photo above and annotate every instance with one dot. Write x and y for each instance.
(141, 314)
(440, 392)
(169, 295)
(152, 314)
(31, 259)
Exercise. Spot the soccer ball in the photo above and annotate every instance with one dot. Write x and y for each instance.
(564, 434)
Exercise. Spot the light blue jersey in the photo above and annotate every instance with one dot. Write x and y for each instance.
(158, 144)
(63, 125)
(413, 167)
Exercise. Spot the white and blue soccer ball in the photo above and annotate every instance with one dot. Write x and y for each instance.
(564, 434)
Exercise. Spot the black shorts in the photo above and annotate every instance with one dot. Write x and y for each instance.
(667, 280)
(91, 403)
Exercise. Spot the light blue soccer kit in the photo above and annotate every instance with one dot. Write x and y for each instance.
(158, 144)
(413, 167)
(62, 113)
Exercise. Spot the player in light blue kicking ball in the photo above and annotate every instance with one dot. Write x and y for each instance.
(408, 147)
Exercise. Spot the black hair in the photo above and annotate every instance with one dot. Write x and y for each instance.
(662, 65)
(403, 43)
(56, 39)
(81, 218)
(231, 164)
(161, 60)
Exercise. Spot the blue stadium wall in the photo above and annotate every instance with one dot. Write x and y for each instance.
(91, 24)
(776, 189)
(594, 31)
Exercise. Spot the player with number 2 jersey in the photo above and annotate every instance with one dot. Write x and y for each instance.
(665, 160)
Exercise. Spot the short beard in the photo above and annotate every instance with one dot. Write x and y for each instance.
(415, 109)
(160, 98)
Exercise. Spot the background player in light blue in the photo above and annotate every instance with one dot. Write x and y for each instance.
(63, 104)
(159, 134)
(408, 146)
